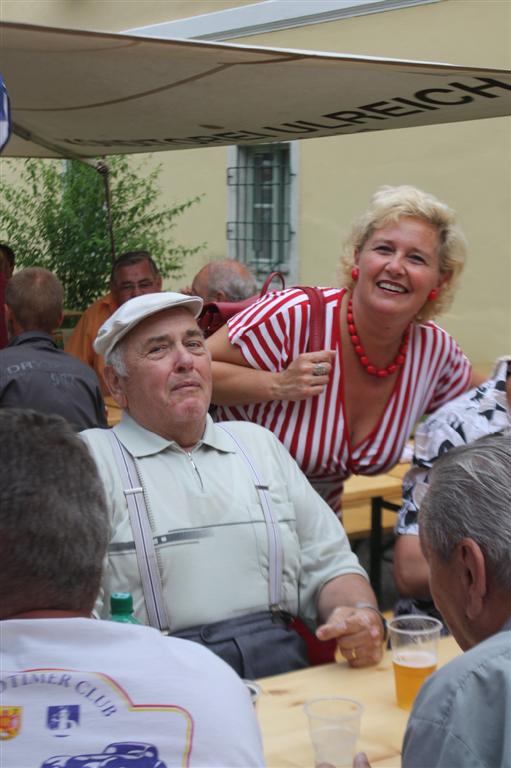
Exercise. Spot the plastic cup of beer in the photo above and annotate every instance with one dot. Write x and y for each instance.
(334, 726)
(414, 644)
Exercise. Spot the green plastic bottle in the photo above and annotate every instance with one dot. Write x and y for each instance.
(121, 608)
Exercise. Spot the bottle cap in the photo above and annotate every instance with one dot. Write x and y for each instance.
(121, 602)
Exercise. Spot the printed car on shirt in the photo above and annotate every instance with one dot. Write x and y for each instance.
(119, 755)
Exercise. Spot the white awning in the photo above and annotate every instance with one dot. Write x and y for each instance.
(80, 93)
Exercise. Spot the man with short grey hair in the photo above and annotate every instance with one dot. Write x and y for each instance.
(101, 692)
(34, 372)
(237, 530)
(461, 716)
(134, 273)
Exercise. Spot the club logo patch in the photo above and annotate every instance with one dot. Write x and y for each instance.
(64, 719)
(10, 722)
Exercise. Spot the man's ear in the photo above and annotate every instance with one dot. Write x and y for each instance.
(116, 386)
(12, 324)
(473, 575)
(159, 284)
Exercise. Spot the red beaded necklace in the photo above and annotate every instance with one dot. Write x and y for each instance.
(371, 369)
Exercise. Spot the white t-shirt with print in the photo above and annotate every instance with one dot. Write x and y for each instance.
(79, 691)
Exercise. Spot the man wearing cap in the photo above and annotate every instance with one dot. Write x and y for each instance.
(79, 692)
(235, 524)
(134, 273)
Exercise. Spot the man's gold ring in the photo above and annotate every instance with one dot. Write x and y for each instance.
(353, 654)
(319, 369)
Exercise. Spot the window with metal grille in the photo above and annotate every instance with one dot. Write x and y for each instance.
(259, 185)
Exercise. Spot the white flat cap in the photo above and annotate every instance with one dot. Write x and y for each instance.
(132, 312)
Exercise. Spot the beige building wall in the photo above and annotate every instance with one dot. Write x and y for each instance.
(466, 164)
(108, 15)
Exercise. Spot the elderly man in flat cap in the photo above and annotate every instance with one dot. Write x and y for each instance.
(215, 530)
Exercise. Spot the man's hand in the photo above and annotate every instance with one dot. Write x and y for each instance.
(360, 761)
(359, 635)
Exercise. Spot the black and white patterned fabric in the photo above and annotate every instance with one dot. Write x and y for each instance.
(480, 411)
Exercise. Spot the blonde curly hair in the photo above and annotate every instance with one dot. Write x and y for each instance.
(388, 205)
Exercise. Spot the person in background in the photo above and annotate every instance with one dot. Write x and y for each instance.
(78, 691)
(34, 372)
(481, 411)
(6, 268)
(460, 718)
(225, 280)
(10, 259)
(228, 546)
(351, 407)
(133, 273)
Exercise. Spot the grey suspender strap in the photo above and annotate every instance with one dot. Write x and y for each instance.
(272, 525)
(142, 535)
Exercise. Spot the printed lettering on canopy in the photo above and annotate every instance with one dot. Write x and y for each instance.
(123, 94)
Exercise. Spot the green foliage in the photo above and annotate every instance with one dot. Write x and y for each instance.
(55, 216)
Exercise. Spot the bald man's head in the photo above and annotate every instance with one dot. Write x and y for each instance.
(225, 280)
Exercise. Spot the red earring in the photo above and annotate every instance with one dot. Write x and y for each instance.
(433, 294)
(354, 274)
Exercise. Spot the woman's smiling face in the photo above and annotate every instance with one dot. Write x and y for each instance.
(399, 265)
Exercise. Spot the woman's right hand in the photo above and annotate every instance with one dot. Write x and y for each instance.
(299, 381)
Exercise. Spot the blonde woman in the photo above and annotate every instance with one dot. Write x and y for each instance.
(351, 407)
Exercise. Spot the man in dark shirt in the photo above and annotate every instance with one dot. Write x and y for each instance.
(34, 373)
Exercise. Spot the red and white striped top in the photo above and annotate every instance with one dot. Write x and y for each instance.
(274, 331)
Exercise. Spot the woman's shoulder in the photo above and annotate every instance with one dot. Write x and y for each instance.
(432, 332)
(291, 302)
(299, 295)
(431, 328)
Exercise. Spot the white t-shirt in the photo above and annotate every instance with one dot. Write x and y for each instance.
(72, 689)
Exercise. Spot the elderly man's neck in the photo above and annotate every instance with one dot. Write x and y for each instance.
(186, 435)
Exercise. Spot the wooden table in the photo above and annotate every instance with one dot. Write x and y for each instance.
(284, 724)
(364, 487)
(399, 470)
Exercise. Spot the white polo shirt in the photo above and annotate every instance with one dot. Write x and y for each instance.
(209, 530)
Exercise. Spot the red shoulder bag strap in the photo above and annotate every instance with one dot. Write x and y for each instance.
(317, 316)
(269, 280)
(317, 319)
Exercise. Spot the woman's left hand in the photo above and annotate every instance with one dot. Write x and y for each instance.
(306, 376)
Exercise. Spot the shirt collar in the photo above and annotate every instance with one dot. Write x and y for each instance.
(27, 336)
(142, 442)
(108, 301)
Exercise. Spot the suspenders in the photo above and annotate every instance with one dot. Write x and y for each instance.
(144, 540)
(142, 535)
